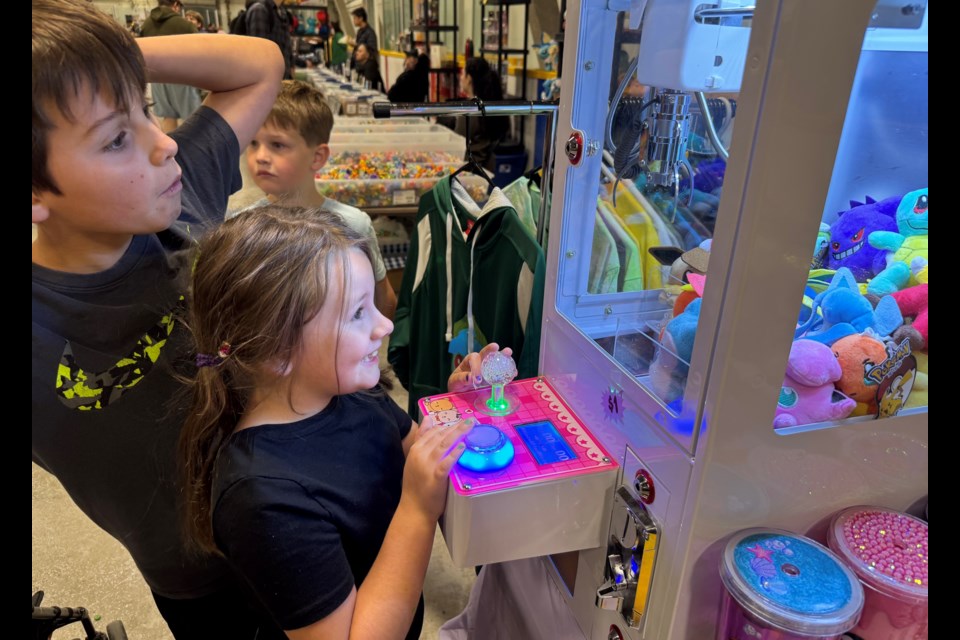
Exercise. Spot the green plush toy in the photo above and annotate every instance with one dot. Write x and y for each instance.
(907, 250)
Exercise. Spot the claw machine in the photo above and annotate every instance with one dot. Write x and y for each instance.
(735, 298)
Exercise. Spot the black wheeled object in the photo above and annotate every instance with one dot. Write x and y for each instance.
(46, 620)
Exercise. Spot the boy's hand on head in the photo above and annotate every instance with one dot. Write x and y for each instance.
(428, 465)
(467, 376)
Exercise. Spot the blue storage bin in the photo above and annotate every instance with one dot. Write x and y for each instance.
(508, 167)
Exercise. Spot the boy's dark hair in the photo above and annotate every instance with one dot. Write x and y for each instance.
(301, 107)
(486, 81)
(360, 12)
(75, 47)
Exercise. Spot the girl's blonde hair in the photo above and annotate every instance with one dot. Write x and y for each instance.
(259, 278)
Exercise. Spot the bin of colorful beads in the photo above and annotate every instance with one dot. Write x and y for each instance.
(887, 550)
(389, 185)
(441, 138)
(420, 150)
(781, 585)
(386, 126)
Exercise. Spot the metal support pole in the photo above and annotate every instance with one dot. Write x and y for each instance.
(506, 108)
(546, 183)
(462, 108)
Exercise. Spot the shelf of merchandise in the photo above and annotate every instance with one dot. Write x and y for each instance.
(495, 26)
(427, 29)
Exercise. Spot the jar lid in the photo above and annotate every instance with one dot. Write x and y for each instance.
(887, 549)
(791, 582)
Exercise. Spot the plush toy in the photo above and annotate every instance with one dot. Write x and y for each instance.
(551, 89)
(819, 259)
(808, 394)
(918, 395)
(689, 292)
(842, 310)
(668, 370)
(913, 305)
(907, 250)
(857, 354)
(920, 273)
(547, 52)
(848, 237)
(683, 262)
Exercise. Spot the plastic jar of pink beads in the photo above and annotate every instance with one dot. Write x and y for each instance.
(784, 586)
(888, 552)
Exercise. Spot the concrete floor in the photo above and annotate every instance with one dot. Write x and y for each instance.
(76, 564)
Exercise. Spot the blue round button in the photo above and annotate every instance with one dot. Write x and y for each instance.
(487, 449)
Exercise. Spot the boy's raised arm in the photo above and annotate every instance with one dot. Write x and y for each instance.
(242, 74)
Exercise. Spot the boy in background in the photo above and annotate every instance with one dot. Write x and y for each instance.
(284, 157)
(118, 206)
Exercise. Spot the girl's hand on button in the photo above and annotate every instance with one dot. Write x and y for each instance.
(429, 462)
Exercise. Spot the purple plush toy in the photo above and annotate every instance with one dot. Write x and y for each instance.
(808, 394)
(848, 237)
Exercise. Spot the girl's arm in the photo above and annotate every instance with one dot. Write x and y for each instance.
(242, 74)
(383, 607)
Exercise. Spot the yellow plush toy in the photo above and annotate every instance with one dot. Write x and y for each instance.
(918, 396)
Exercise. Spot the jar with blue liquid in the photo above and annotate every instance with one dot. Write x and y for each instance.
(781, 585)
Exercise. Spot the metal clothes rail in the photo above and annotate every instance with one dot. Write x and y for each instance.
(501, 108)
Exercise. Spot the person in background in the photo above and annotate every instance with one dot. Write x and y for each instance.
(365, 35)
(338, 48)
(195, 18)
(413, 84)
(267, 19)
(172, 103)
(118, 206)
(284, 158)
(483, 134)
(368, 67)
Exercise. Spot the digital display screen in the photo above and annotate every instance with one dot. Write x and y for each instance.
(545, 443)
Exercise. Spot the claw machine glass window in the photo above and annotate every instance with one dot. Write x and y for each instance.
(649, 223)
(860, 345)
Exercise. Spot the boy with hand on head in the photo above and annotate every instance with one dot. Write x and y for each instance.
(284, 157)
(119, 206)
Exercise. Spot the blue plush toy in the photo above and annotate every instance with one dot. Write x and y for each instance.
(848, 237)
(842, 310)
(547, 52)
(905, 249)
(551, 89)
(668, 371)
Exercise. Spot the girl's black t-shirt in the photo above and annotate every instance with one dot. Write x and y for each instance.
(301, 509)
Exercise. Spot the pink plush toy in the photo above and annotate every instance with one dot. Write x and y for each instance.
(913, 305)
(808, 395)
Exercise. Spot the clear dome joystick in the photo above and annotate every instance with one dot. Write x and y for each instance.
(498, 370)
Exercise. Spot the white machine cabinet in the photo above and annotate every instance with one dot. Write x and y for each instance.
(829, 104)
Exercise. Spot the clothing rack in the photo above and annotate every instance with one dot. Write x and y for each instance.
(500, 108)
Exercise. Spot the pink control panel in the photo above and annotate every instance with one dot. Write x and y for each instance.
(547, 439)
